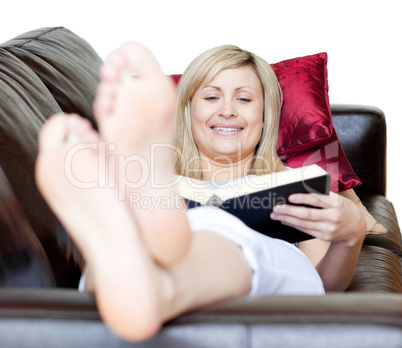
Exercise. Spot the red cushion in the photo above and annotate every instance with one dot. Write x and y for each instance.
(330, 156)
(306, 115)
(176, 78)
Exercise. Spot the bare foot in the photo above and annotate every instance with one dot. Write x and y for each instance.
(135, 103)
(133, 113)
(102, 227)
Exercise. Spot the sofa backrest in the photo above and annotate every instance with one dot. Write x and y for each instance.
(362, 133)
(42, 72)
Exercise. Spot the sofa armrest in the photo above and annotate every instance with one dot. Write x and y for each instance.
(383, 211)
(379, 268)
(67, 318)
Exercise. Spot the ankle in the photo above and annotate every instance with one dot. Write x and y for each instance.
(168, 296)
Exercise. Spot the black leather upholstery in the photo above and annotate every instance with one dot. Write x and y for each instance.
(362, 133)
(42, 72)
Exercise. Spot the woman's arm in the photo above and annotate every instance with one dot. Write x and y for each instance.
(334, 262)
(339, 228)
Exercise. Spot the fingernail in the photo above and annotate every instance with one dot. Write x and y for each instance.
(277, 208)
(292, 198)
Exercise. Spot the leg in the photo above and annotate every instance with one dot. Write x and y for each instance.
(134, 294)
(133, 113)
(100, 224)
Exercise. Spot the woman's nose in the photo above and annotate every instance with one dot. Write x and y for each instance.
(227, 110)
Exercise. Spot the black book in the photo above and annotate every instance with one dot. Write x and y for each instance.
(252, 198)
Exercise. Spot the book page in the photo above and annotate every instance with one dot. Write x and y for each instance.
(201, 191)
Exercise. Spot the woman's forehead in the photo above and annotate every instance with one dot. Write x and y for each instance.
(236, 78)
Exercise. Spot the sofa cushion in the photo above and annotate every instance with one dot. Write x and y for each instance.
(330, 156)
(23, 262)
(44, 316)
(65, 63)
(306, 115)
(378, 271)
(42, 72)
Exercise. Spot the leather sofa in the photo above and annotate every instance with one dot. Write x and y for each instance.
(52, 69)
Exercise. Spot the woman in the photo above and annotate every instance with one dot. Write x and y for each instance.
(328, 225)
(149, 265)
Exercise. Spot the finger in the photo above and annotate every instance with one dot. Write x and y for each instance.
(300, 212)
(317, 229)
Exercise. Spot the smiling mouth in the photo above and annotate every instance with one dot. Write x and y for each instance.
(227, 129)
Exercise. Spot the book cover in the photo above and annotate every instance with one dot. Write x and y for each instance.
(252, 198)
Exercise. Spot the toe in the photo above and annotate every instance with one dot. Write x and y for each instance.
(80, 130)
(109, 71)
(53, 132)
(139, 59)
(62, 128)
(103, 104)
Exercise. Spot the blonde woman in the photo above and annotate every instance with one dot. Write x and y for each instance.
(149, 265)
(205, 68)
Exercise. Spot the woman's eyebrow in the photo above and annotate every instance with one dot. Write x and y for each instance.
(214, 87)
(245, 87)
(236, 89)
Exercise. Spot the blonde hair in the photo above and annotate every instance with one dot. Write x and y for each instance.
(200, 72)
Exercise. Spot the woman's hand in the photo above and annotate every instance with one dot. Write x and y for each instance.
(339, 228)
(338, 221)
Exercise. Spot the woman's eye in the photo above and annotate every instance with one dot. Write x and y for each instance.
(244, 100)
(211, 98)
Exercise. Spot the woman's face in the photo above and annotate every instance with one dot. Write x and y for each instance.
(227, 115)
